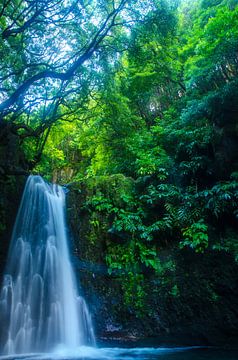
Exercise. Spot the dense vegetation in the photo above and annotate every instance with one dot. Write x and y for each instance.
(136, 101)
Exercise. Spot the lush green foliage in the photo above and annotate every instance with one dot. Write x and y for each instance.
(154, 115)
(165, 115)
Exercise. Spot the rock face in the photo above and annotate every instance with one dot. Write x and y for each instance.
(10, 197)
(194, 301)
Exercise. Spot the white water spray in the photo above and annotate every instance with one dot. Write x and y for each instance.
(40, 308)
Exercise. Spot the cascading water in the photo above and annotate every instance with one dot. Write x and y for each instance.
(40, 310)
(39, 304)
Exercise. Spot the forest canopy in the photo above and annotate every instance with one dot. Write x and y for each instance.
(53, 54)
(138, 95)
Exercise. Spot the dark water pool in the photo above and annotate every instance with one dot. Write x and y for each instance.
(146, 353)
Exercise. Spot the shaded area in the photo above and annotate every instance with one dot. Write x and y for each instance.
(190, 299)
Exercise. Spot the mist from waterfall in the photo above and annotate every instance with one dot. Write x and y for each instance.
(40, 308)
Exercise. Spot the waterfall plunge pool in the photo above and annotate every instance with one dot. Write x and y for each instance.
(120, 353)
(42, 315)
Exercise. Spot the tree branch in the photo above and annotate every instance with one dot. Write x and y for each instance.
(67, 75)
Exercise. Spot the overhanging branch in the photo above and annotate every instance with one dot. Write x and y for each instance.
(108, 24)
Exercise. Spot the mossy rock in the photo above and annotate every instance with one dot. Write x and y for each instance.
(113, 187)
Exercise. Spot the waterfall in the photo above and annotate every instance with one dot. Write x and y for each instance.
(40, 308)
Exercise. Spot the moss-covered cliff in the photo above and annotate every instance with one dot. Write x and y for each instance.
(177, 295)
(10, 196)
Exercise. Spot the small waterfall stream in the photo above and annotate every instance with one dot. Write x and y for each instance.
(40, 308)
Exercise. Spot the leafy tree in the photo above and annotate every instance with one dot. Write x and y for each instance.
(144, 91)
(46, 49)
